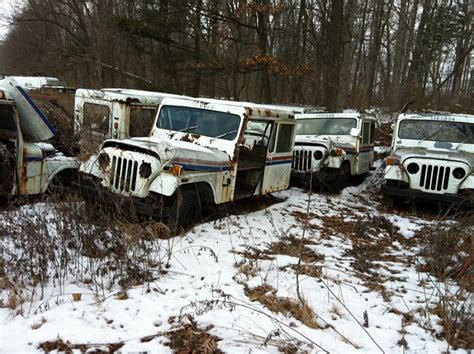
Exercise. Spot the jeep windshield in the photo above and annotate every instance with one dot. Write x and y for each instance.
(325, 126)
(199, 121)
(434, 130)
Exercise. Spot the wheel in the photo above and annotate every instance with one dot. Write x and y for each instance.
(389, 200)
(185, 210)
(340, 178)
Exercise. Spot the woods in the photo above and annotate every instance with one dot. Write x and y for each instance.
(332, 53)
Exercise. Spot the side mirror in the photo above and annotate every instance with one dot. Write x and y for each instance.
(249, 143)
(355, 132)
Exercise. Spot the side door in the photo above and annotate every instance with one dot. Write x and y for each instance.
(95, 125)
(279, 158)
(366, 147)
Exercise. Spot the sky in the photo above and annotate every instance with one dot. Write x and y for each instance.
(7, 7)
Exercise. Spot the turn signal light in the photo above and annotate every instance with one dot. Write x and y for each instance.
(176, 170)
(337, 152)
(393, 161)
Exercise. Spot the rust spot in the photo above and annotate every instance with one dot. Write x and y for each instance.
(127, 101)
(132, 100)
(23, 179)
(187, 138)
(268, 113)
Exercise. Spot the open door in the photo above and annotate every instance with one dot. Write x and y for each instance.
(279, 159)
(251, 162)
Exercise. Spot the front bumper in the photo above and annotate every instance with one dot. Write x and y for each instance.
(412, 194)
(99, 194)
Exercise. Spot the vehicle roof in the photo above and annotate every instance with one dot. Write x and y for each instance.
(260, 106)
(138, 97)
(33, 82)
(334, 115)
(461, 117)
(234, 107)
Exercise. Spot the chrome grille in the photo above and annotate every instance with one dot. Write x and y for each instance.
(301, 160)
(434, 178)
(124, 174)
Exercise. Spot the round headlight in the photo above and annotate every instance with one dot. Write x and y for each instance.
(318, 155)
(104, 161)
(413, 168)
(145, 170)
(459, 173)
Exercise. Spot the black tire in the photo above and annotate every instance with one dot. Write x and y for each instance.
(389, 200)
(340, 178)
(185, 210)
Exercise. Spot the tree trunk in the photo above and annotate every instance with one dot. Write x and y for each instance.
(399, 56)
(376, 38)
(333, 59)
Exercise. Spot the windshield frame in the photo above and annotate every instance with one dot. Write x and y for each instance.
(433, 134)
(231, 133)
(328, 119)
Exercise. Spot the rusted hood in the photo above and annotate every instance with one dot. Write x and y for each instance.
(34, 124)
(190, 156)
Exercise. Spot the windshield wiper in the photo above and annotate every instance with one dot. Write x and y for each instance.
(430, 135)
(225, 134)
(462, 142)
(187, 128)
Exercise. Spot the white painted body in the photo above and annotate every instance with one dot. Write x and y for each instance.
(28, 165)
(318, 153)
(436, 160)
(217, 163)
(120, 103)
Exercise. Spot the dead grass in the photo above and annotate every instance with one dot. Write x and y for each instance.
(266, 295)
(334, 225)
(191, 339)
(458, 327)
(310, 270)
(254, 254)
(66, 347)
(372, 241)
(444, 249)
(295, 247)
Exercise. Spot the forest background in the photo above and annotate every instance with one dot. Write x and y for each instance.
(333, 53)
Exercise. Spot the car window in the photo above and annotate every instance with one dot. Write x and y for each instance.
(284, 138)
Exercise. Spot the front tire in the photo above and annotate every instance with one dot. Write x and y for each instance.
(340, 178)
(185, 210)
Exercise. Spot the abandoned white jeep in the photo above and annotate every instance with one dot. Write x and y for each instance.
(27, 164)
(432, 158)
(198, 152)
(113, 113)
(331, 147)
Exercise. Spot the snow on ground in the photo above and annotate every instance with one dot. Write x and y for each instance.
(354, 263)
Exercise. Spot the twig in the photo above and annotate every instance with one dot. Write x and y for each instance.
(352, 315)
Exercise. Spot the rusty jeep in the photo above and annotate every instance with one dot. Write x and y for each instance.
(28, 164)
(198, 152)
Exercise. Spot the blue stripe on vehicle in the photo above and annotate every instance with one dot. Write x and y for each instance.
(205, 167)
(32, 158)
(278, 162)
(37, 110)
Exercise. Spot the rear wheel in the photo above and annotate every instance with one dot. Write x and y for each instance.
(185, 210)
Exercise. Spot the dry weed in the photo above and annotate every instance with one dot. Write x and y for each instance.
(301, 311)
